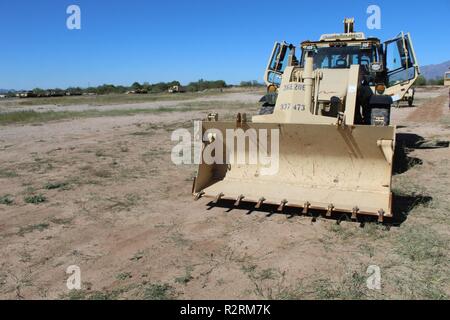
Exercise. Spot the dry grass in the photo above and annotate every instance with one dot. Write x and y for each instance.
(31, 116)
(108, 99)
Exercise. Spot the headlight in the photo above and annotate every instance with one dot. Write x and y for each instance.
(366, 45)
(271, 88)
(375, 67)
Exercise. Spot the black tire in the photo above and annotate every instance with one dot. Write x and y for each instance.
(380, 116)
(410, 102)
(266, 109)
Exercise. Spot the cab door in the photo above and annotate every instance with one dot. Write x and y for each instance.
(282, 55)
(401, 65)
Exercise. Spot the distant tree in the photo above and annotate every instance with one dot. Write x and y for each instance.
(252, 83)
(136, 86)
(219, 84)
(173, 83)
(201, 85)
(120, 89)
(192, 86)
(38, 91)
(159, 87)
(74, 90)
(420, 81)
(147, 86)
(106, 89)
(436, 82)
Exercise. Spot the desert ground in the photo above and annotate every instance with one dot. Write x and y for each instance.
(90, 183)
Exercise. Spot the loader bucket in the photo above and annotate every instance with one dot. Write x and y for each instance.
(326, 167)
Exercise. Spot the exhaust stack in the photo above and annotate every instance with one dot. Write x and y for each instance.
(349, 25)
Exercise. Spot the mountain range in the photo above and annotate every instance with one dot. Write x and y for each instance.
(435, 71)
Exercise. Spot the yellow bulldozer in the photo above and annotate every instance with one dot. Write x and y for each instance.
(326, 116)
(447, 78)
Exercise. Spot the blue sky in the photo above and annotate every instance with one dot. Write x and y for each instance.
(125, 41)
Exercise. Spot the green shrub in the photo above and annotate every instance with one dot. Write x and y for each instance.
(35, 199)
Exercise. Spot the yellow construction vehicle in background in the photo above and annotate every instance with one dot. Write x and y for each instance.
(331, 107)
(407, 97)
(447, 78)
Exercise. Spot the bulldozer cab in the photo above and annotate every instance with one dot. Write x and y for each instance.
(343, 54)
(394, 61)
(339, 54)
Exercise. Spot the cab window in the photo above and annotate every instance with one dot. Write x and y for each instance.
(342, 57)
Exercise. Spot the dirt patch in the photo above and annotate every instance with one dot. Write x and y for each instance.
(103, 194)
(431, 111)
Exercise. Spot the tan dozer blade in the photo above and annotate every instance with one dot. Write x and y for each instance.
(329, 167)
